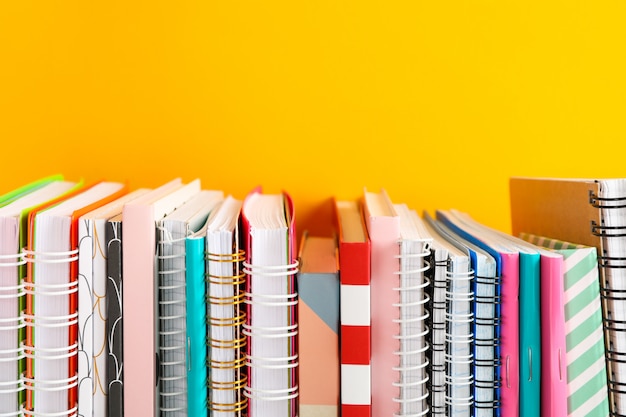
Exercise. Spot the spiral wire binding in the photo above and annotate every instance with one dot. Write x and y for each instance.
(32, 321)
(459, 346)
(227, 377)
(611, 266)
(289, 332)
(414, 345)
(172, 346)
(437, 306)
(11, 324)
(487, 359)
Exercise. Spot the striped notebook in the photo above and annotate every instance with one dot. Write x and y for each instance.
(586, 366)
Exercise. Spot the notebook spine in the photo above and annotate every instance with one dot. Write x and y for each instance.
(172, 331)
(437, 364)
(114, 322)
(11, 385)
(269, 364)
(413, 315)
(226, 342)
(459, 341)
(612, 266)
(487, 359)
(57, 354)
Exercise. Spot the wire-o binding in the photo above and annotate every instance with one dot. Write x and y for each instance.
(73, 412)
(413, 362)
(12, 260)
(232, 339)
(437, 365)
(286, 302)
(172, 348)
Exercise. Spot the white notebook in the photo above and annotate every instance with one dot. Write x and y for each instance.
(226, 312)
(12, 270)
(414, 249)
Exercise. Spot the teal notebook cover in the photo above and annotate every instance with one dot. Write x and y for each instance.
(530, 334)
(196, 327)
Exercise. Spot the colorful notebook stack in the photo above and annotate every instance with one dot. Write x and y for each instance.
(179, 301)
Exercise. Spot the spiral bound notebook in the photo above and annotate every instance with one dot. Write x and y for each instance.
(453, 348)
(173, 231)
(486, 368)
(12, 271)
(591, 212)
(139, 303)
(51, 287)
(507, 267)
(271, 322)
(225, 312)
(413, 315)
(529, 308)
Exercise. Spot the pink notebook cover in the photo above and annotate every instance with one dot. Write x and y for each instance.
(139, 251)
(554, 391)
(509, 347)
(384, 234)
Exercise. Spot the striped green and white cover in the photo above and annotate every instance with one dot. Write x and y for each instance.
(586, 366)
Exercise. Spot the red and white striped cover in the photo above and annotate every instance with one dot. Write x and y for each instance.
(354, 273)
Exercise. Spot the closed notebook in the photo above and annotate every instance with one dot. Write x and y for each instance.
(174, 340)
(529, 309)
(51, 302)
(486, 368)
(589, 212)
(12, 271)
(114, 320)
(586, 367)
(453, 317)
(355, 317)
(225, 312)
(318, 314)
(139, 305)
(92, 282)
(413, 297)
(271, 322)
(507, 266)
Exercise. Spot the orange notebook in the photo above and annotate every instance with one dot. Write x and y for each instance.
(51, 297)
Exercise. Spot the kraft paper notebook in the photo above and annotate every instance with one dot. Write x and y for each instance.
(13, 235)
(355, 317)
(174, 339)
(586, 368)
(453, 321)
(507, 266)
(139, 218)
(92, 281)
(51, 376)
(318, 322)
(271, 321)
(226, 313)
(487, 361)
(591, 212)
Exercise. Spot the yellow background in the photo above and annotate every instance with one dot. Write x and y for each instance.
(439, 102)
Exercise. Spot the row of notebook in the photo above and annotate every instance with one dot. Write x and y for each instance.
(178, 301)
(137, 303)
